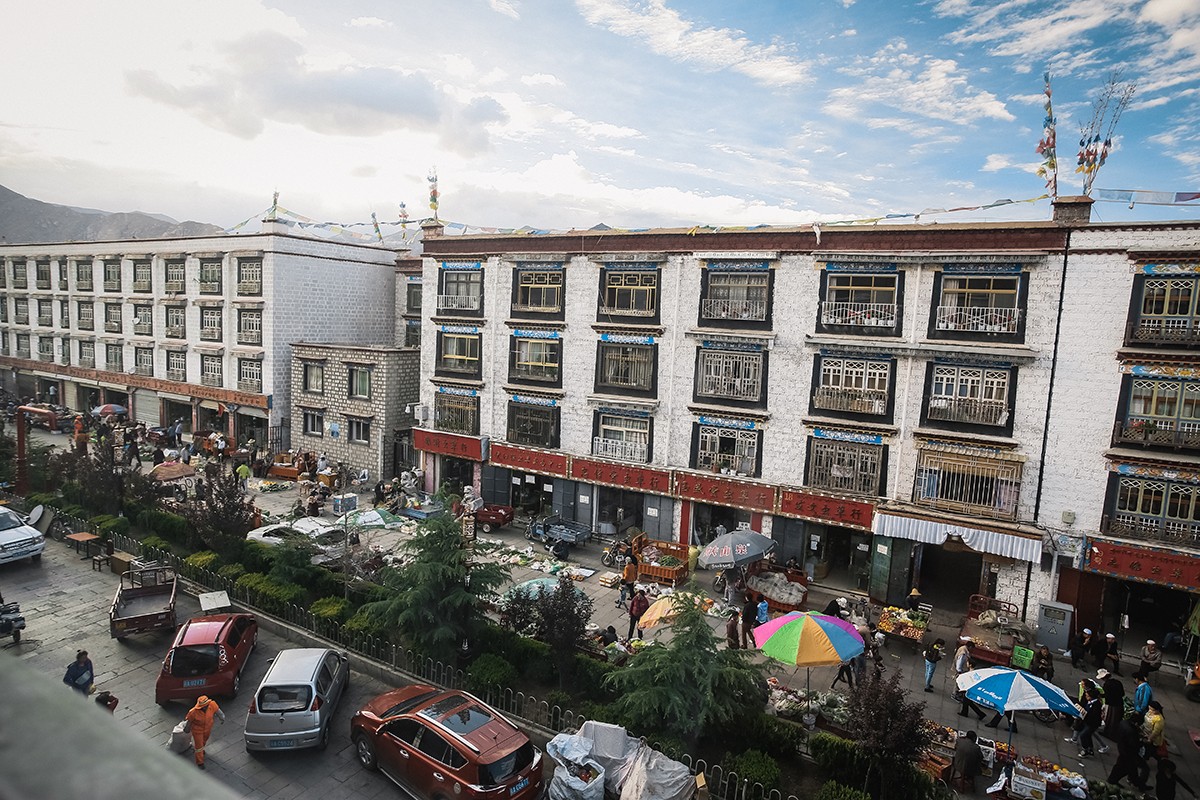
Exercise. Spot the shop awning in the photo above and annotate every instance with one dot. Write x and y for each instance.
(935, 532)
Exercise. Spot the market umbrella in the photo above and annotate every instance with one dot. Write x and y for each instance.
(665, 608)
(171, 471)
(735, 549)
(370, 518)
(106, 409)
(808, 640)
(1007, 690)
(534, 588)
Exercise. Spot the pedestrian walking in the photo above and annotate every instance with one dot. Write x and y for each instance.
(1154, 732)
(638, 604)
(845, 673)
(1114, 702)
(933, 654)
(243, 474)
(1130, 763)
(1166, 780)
(200, 721)
(628, 577)
(962, 663)
(762, 611)
(731, 630)
(81, 675)
(1142, 693)
(1092, 715)
(749, 612)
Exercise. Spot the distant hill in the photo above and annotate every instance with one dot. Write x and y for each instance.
(27, 221)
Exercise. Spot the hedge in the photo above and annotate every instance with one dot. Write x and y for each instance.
(753, 766)
(171, 527)
(832, 790)
(843, 761)
(273, 596)
(490, 671)
(335, 609)
(205, 559)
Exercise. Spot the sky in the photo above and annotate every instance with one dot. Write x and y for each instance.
(559, 114)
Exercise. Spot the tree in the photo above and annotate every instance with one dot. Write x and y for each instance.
(889, 731)
(438, 600)
(562, 618)
(91, 480)
(221, 520)
(690, 686)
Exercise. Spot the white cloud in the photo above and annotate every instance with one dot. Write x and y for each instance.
(1169, 12)
(369, 22)
(506, 7)
(850, 32)
(996, 162)
(667, 33)
(1023, 28)
(540, 79)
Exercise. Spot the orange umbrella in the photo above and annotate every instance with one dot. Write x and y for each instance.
(171, 471)
(668, 607)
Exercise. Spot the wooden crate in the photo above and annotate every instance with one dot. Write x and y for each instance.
(659, 574)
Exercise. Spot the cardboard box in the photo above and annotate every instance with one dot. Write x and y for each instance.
(610, 579)
(1026, 783)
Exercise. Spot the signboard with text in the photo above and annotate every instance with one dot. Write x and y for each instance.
(833, 510)
(724, 492)
(448, 444)
(528, 459)
(1179, 570)
(627, 476)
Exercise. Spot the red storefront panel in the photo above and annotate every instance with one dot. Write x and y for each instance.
(448, 444)
(527, 459)
(1173, 568)
(834, 510)
(627, 476)
(722, 492)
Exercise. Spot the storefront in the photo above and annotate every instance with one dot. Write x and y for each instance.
(709, 501)
(829, 535)
(49, 390)
(173, 409)
(625, 498)
(450, 458)
(249, 423)
(537, 483)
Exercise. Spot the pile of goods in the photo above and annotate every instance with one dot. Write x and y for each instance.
(266, 487)
(941, 735)
(1005, 754)
(1059, 779)
(778, 588)
(902, 622)
(668, 561)
(795, 703)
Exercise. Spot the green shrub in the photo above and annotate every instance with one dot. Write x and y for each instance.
(832, 790)
(269, 594)
(156, 542)
(778, 738)
(72, 510)
(171, 527)
(589, 677)
(363, 623)
(670, 746)
(42, 499)
(836, 757)
(108, 526)
(231, 572)
(205, 559)
(256, 556)
(753, 766)
(334, 609)
(490, 671)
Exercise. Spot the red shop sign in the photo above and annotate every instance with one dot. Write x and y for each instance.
(847, 513)
(641, 479)
(448, 444)
(1147, 564)
(722, 492)
(528, 460)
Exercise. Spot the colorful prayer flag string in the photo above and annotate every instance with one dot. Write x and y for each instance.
(433, 191)
(1047, 146)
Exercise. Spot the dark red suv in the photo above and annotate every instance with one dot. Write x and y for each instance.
(208, 657)
(444, 744)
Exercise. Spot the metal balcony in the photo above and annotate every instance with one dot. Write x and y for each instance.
(143, 328)
(249, 287)
(142, 286)
(177, 375)
(63, 285)
(43, 284)
(46, 321)
(1153, 529)
(618, 311)
(84, 286)
(212, 380)
(968, 409)
(22, 352)
(47, 357)
(20, 319)
(173, 286)
(210, 287)
(619, 450)
(249, 337)
(145, 369)
(458, 302)
(726, 462)
(870, 315)
(853, 401)
(753, 310)
(1157, 433)
(87, 361)
(250, 385)
(174, 331)
(210, 334)
(112, 327)
(112, 286)
(978, 320)
(1180, 331)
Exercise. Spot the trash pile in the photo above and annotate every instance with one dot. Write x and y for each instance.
(603, 758)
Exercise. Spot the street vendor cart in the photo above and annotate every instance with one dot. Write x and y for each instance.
(995, 628)
(904, 625)
(784, 589)
(660, 561)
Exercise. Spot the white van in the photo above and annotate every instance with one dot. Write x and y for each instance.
(293, 707)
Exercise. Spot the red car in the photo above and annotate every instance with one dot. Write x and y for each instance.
(439, 743)
(493, 516)
(208, 657)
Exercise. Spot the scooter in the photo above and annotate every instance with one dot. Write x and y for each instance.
(11, 620)
(613, 551)
(1192, 686)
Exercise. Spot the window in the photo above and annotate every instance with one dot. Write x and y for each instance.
(112, 276)
(625, 367)
(45, 348)
(83, 275)
(65, 354)
(3, 309)
(314, 422)
(141, 276)
(845, 466)
(358, 430)
(314, 378)
(249, 375)
(210, 324)
(23, 345)
(412, 297)
(458, 354)
(1156, 509)
(530, 424)
(42, 274)
(732, 450)
(114, 357)
(735, 296)
(968, 483)
(87, 312)
(249, 276)
(456, 413)
(535, 360)
(177, 365)
(1166, 311)
(979, 304)
(176, 321)
(20, 275)
(538, 291)
(250, 326)
(462, 291)
(64, 313)
(62, 272)
(860, 300)
(412, 333)
(625, 438)
(632, 293)
(1162, 412)
(975, 395)
(730, 375)
(358, 381)
(113, 322)
(21, 311)
(143, 320)
(87, 354)
(212, 370)
(143, 360)
(210, 276)
(174, 269)
(852, 385)
(45, 313)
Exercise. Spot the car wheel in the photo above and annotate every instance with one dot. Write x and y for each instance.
(365, 752)
(16, 637)
(237, 684)
(323, 742)
(486, 527)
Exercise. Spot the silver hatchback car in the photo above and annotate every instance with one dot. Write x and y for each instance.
(295, 702)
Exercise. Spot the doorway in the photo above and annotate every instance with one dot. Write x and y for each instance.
(947, 576)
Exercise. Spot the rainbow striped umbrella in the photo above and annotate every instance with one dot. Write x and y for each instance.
(808, 640)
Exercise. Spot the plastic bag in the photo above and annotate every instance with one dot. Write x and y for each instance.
(568, 784)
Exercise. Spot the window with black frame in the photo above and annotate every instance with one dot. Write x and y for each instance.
(532, 424)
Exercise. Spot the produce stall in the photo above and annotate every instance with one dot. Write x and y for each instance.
(830, 710)
(785, 589)
(995, 628)
(661, 561)
(1056, 778)
(996, 754)
(903, 624)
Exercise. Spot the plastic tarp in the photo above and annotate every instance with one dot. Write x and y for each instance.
(631, 769)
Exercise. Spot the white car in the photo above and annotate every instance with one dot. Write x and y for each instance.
(19, 539)
(326, 538)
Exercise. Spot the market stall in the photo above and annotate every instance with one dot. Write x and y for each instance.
(661, 561)
(784, 589)
(904, 625)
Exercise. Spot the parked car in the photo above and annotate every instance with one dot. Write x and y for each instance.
(19, 539)
(208, 656)
(444, 743)
(294, 705)
(493, 516)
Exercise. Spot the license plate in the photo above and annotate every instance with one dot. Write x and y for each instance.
(519, 785)
(194, 682)
(283, 743)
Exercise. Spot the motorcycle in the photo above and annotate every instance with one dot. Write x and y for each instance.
(614, 551)
(11, 620)
(1192, 687)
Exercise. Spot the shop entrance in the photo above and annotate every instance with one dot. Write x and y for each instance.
(456, 473)
(117, 398)
(618, 510)
(172, 410)
(946, 576)
(838, 557)
(47, 391)
(707, 519)
(247, 426)
(87, 398)
(208, 420)
(532, 495)
(1137, 611)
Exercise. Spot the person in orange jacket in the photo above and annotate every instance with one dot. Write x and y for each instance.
(200, 718)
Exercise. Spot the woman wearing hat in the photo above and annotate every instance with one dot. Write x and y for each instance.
(200, 719)
(914, 599)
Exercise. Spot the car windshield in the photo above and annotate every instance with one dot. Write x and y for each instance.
(196, 659)
(502, 769)
(284, 698)
(9, 520)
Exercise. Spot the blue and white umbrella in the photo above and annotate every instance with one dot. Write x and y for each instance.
(1007, 689)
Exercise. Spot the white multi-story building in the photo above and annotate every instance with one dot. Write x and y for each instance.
(198, 328)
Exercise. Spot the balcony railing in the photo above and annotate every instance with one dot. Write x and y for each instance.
(210, 334)
(249, 337)
(211, 380)
(143, 328)
(177, 375)
(141, 286)
(619, 450)
(1157, 432)
(968, 409)
(210, 287)
(115, 366)
(978, 320)
(173, 286)
(20, 319)
(250, 385)
(458, 302)
(47, 357)
(871, 315)
(22, 352)
(174, 331)
(1182, 331)
(621, 311)
(111, 326)
(112, 286)
(725, 462)
(1154, 529)
(87, 361)
(63, 285)
(529, 308)
(145, 369)
(45, 320)
(854, 401)
(65, 359)
(43, 284)
(84, 285)
(249, 287)
(20, 283)
(734, 309)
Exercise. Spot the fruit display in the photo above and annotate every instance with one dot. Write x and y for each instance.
(902, 622)
(1058, 778)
